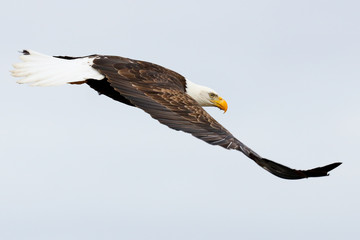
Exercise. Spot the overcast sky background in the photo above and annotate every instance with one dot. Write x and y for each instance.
(75, 165)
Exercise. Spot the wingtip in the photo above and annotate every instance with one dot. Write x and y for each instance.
(321, 171)
(289, 173)
(25, 52)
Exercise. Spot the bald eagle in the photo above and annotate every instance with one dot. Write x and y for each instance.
(164, 94)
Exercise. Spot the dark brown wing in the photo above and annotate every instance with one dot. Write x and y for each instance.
(161, 93)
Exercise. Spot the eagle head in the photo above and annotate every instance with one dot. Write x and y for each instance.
(205, 96)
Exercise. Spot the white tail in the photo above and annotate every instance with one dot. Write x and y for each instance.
(41, 70)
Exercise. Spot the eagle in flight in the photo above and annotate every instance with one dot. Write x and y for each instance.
(164, 94)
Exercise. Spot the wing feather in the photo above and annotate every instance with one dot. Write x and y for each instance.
(161, 93)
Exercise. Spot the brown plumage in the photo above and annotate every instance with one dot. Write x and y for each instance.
(162, 93)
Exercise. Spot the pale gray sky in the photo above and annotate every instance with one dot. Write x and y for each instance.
(75, 165)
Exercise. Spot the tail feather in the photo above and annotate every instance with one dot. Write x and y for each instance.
(38, 69)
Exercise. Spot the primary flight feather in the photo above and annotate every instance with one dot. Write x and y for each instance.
(164, 94)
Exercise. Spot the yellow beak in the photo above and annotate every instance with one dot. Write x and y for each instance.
(220, 103)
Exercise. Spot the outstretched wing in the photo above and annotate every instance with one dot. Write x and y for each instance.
(161, 93)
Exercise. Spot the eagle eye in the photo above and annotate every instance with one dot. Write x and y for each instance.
(212, 95)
